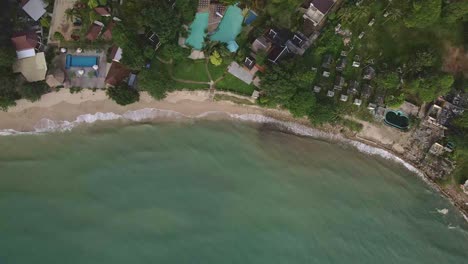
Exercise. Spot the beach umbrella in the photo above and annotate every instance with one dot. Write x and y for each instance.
(79, 50)
(63, 50)
(80, 72)
(95, 67)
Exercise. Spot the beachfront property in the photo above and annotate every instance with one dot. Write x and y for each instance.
(30, 63)
(222, 24)
(316, 10)
(34, 8)
(246, 72)
(117, 74)
(33, 68)
(94, 30)
(85, 68)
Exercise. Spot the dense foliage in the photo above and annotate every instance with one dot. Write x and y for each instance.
(123, 94)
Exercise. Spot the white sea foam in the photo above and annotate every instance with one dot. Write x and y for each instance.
(47, 125)
(442, 211)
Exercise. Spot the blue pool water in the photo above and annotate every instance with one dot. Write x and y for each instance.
(81, 61)
(230, 26)
(197, 31)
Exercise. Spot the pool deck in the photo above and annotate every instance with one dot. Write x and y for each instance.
(85, 81)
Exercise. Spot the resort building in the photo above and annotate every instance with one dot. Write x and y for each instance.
(34, 8)
(316, 10)
(117, 74)
(94, 31)
(25, 44)
(104, 11)
(33, 68)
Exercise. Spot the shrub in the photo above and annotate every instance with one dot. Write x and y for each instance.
(123, 94)
(58, 36)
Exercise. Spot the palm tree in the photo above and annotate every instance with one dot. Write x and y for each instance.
(70, 13)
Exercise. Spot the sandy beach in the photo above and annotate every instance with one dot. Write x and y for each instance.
(65, 106)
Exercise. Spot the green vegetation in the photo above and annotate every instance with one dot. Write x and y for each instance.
(232, 84)
(123, 94)
(351, 125)
(156, 81)
(33, 91)
(191, 70)
(216, 59)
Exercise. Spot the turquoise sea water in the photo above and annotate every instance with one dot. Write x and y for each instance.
(213, 192)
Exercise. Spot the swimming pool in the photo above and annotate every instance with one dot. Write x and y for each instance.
(230, 26)
(397, 119)
(198, 31)
(81, 61)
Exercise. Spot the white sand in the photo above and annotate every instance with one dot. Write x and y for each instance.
(64, 106)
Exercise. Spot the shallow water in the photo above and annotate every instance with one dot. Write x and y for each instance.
(214, 192)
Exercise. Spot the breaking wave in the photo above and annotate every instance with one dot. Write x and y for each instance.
(47, 125)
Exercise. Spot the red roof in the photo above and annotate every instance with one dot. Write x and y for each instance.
(117, 73)
(108, 33)
(102, 10)
(24, 40)
(93, 32)
(323, 5)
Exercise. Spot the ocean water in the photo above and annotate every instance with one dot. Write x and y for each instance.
(214, 192)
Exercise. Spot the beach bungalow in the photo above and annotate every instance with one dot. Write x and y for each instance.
(327, 61)
(153, 40)
(107, 34)
(249, 63)
(368, 73)
(316, 10)
(117, 74)
(34, 8)
(357, 102)
(94, 31)
(279, 49)
(317, 89)
(25, 44)
(353, 88)
(339, 83)
(366, 91)
(33, 68)
(115, 53)
(104, 11)
(330, 93)
(341, 64)
(344, 98)
(261, 44)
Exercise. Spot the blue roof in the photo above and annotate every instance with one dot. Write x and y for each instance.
(250, 17)
(232, 46)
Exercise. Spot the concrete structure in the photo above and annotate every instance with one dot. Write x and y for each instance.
(32, 68)
(316, 10)
(25, 44)
(34, 8)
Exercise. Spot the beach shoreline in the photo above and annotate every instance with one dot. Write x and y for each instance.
(62, 110)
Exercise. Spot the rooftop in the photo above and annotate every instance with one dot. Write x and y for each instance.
(33, 68)
(117, 73)
(34, 8)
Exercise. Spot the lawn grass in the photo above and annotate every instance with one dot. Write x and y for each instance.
(190, 86)
(218, 71)
(191, 70)
(232, 84)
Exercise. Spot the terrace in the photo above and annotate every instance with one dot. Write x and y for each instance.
(86, 69)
